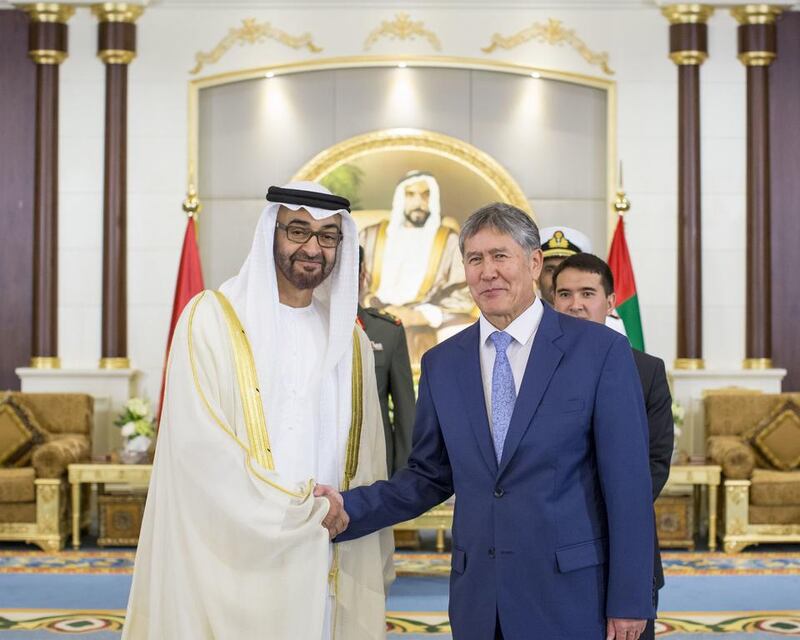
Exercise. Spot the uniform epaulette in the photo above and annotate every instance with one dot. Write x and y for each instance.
(383, 315)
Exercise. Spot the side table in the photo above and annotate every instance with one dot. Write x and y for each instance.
(698, 475)
(137, 474)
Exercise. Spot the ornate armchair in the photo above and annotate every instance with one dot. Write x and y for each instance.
(755, 438)
(40, 434)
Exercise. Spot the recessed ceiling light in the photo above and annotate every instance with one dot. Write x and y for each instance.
(535, 74)
(269, 74)
(402, 65)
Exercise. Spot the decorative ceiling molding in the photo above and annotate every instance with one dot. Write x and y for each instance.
(552, 33)
(402, 28)
(251, 32)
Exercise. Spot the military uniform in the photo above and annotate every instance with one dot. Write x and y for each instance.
(393, 373)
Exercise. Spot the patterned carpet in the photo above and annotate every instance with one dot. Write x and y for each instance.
(409, 563)
(748, 583)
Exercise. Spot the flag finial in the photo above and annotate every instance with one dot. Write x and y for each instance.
(622, 205)
(192, 205)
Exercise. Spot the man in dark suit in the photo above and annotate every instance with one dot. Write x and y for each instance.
(584, 288)
(536, 421)
(393, 373)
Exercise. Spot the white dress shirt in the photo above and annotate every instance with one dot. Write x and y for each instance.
(522, 330)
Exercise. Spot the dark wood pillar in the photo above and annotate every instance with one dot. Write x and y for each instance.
(47, 47)
(784, 148)
(757, 49)
(688, 48)
(116, 47)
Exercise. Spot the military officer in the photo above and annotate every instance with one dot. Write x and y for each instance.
(393, 372)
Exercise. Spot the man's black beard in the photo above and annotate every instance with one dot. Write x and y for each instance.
(299, 278)
(421, 222)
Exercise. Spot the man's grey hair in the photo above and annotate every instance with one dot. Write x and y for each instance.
(504, 218)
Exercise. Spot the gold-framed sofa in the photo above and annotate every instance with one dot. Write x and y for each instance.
(755, 438)
(40, 434)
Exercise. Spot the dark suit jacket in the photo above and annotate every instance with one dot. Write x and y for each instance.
(658, 404)
(393, 373)
(558, 536)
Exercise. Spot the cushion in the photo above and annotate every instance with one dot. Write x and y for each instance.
(59, 412)
(735, 456)
(777, 437)
(19, 433)
(17, 485)
(51, 459)
(775, 488)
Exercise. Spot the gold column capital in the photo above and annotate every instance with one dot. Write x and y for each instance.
(757, 58)
(48, 11)
(116, 56)
(687, 13)
(115, 363)
(690, 363)
(757, 363)
(117, 12)
(688, 57)
(45, 362)
(756, 13)
(47, 56)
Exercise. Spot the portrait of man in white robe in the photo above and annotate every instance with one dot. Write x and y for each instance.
(415, 267)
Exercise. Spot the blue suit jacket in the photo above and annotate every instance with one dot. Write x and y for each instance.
(559, 535)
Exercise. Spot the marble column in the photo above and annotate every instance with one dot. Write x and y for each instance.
(47, 47)
(116, 47)
(757, 41)
(688, 48)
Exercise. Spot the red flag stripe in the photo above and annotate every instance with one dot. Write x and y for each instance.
(620, 262)
(188, 285)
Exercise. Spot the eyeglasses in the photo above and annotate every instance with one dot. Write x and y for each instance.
(327, 238)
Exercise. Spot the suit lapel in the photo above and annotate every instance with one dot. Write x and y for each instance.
(468, 373)
(542, 363)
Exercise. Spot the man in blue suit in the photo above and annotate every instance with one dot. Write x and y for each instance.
(536, 421)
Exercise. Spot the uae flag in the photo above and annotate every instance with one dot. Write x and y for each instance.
(625, 286)
(189, 284)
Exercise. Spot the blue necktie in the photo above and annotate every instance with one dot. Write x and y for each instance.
(504, 393)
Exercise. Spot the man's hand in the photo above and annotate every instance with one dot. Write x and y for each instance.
(337, 519)
(624, 629)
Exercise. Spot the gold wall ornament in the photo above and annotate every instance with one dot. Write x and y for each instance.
(553, 33)
(252, 32)
(402, 28)
(479, 162)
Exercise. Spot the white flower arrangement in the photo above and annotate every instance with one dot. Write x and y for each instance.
(137, 429)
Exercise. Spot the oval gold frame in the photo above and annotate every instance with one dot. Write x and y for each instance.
(402, 139)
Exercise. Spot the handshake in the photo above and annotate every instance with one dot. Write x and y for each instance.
(337, 519)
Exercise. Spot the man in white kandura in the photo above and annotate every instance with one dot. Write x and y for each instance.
(270, 388)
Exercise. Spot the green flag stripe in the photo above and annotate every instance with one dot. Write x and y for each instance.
(629, 312)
